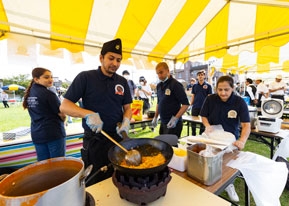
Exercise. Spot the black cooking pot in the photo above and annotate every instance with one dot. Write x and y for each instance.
(147, 147)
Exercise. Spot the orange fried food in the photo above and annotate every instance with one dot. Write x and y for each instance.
(147, 162)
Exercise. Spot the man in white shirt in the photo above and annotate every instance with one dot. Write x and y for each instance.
(277, 88)
(262, 92)
(251, 91)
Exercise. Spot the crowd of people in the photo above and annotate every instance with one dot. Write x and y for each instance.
(257, 91)
(106, 99)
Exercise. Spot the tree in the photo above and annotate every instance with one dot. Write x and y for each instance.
(65, 85)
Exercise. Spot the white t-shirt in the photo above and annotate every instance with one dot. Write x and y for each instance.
(262, 88)
(276, 85)
(250, 92)
(142, 94)
(4, 97)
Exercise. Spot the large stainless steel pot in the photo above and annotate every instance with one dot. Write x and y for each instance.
(56, 181)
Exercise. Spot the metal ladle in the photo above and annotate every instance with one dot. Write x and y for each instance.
(132, 157)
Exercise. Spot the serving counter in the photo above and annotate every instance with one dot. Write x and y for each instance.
(182, 190)
(179, 192)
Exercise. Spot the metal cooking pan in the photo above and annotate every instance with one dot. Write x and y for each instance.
(147, 147)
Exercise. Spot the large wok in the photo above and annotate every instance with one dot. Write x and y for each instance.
(147, 147)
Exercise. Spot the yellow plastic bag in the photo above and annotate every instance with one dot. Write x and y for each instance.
(136, 108)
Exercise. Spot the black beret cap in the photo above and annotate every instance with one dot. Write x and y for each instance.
(112, 46)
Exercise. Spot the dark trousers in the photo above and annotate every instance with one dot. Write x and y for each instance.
(5, 104)
(196, 112)
(146, 105)
(95, 152)
(273, 96)
(177, 130)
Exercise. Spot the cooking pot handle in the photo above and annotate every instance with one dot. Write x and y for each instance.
(102, 169)
(85, 174)
(124, 135)
(3, 176)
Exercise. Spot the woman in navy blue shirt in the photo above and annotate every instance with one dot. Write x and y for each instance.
(47, 122)
(229, 110)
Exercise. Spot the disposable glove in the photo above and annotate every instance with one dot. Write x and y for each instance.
(125, 125)
(94, 122)
(173, 122)
(154, 122)
(209, 129)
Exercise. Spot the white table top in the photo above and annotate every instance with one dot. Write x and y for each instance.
(179, 192)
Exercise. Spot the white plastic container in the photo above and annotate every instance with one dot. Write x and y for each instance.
(179, 160)
(272, 125)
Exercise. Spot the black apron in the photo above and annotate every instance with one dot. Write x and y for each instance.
(95, 152)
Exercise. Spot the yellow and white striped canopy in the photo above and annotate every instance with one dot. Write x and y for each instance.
(235, 31)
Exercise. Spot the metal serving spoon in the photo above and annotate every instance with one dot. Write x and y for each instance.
(132, 157)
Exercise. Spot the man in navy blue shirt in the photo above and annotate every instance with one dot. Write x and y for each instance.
(131, 84)
(200, 91)
(190, 85)
(106, 100)
(172, 102)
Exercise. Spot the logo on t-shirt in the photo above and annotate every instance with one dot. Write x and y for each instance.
(205, 86)
(168, 92)
(119, 89)
(232, 114)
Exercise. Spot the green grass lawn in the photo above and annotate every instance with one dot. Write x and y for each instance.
(15, 116)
